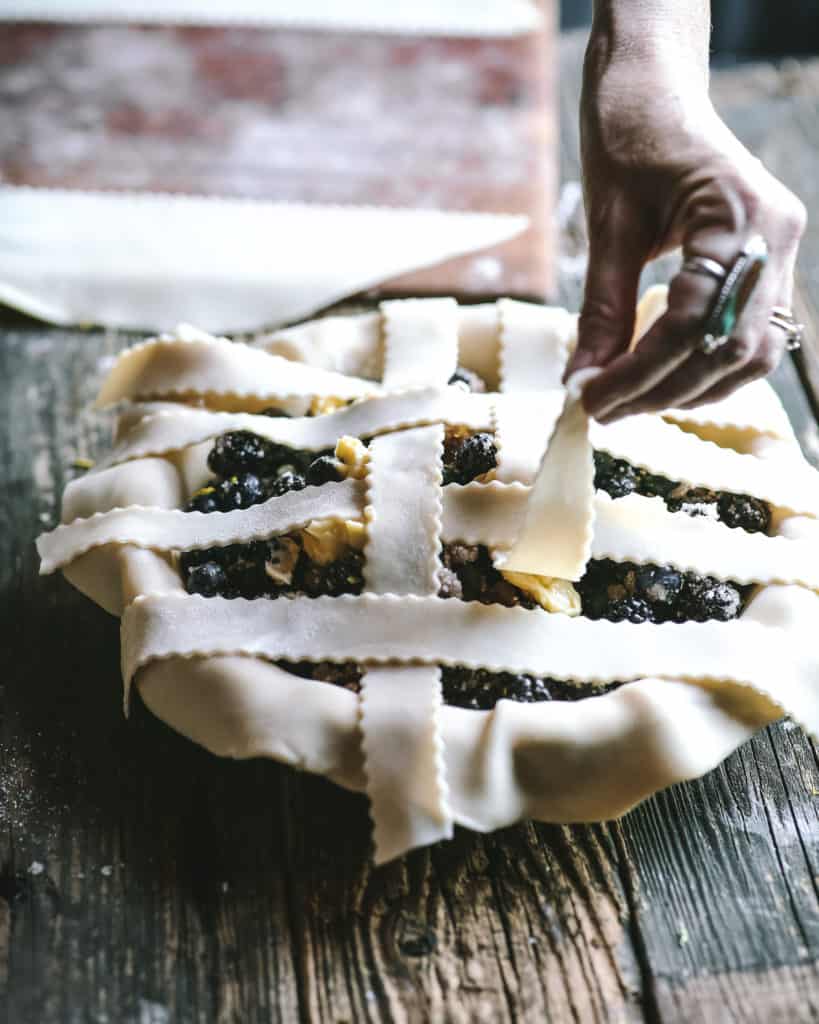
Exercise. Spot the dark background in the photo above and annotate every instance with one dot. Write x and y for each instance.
(743, 29)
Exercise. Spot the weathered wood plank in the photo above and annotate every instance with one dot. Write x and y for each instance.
(142, 876)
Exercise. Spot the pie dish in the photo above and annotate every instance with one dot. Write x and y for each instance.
(352, 547)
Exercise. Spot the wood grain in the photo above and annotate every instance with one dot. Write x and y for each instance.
(144, 882)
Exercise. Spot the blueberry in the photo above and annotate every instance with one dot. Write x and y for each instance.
(240, 492)
(659, 585)
(629, 609)
(468, 457)
(464, 376)
(524, 688)
(323, 470)
(480, 689)
(704, 598)
(744, 512)
(602, 582)
(207, 579)
(287, 481)
(239, 451)
(206, 499)
(275, 413)
(189, 559)
(614, 476)
(343, 576)
(244, 566)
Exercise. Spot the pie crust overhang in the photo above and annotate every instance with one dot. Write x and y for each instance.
(691, 693)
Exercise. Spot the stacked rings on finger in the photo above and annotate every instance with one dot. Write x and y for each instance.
(706, 266)
(794, 332)
(736, 284)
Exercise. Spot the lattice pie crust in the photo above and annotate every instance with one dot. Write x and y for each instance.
(692, 692)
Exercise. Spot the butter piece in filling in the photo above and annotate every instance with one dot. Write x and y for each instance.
(555, 595)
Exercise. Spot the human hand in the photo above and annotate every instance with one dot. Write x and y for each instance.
(662, 170)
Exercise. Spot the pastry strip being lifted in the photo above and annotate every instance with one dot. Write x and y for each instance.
(556, 536)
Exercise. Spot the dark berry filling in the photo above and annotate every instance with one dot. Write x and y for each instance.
(250, 469)
(323, 470)
(343, 673)
(345, 575)
(619, 478)
(621, 591)
(480, 689)
(467, 456)
(476, 689)
(468, 574)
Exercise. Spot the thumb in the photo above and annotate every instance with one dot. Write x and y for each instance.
(609, 302)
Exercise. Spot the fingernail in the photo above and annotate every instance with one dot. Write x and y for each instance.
(579, 361)
(580, 378)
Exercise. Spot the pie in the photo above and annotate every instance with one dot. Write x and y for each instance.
(352, 547)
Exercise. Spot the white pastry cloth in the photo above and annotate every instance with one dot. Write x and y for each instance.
(147, 260)
(692, 693)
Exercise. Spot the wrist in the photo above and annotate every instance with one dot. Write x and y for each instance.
(662, 38)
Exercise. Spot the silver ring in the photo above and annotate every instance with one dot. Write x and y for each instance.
(794, 332)
(706, 266)
(740, 280)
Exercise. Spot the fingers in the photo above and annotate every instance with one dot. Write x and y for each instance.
(764, 361)
(664, 347)
(606, 322)
(753, 351)
(668, 368)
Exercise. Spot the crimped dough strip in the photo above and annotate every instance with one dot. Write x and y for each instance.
(555, 538)
(631, 529)
(190, 361)
(406, 781)
(420, 342)
(165, 432)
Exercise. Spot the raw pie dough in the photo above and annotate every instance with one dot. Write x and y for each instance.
(692, 692)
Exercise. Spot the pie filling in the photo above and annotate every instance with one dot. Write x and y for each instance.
(326, 558)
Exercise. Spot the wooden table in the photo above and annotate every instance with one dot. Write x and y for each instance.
(144, 882)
